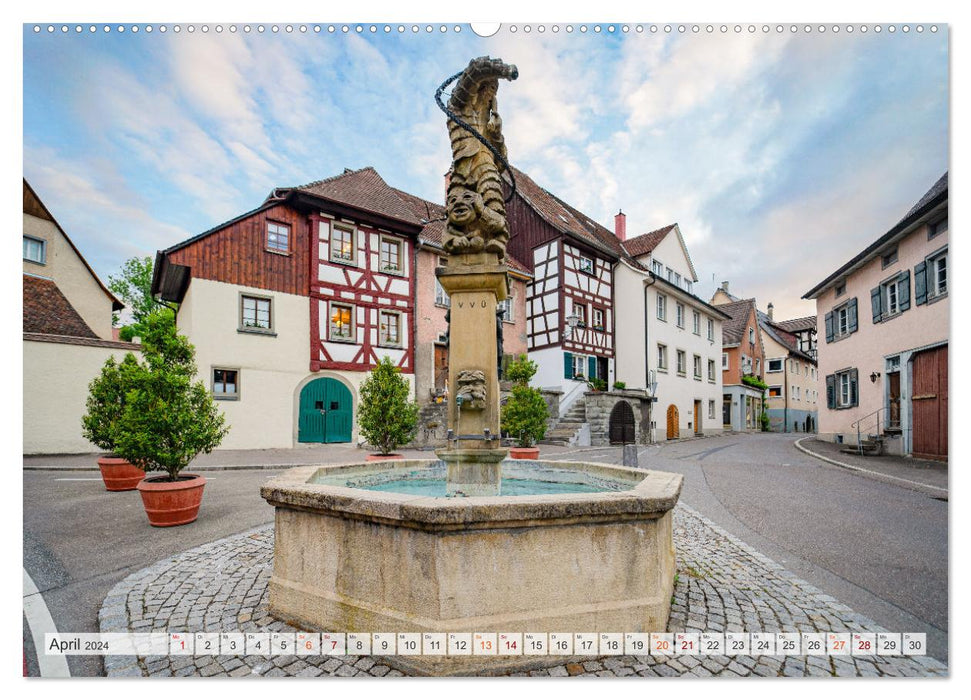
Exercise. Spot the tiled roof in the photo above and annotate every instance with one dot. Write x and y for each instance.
(646, 242)
(938, 187)
(47, 310)
(73, 340)
(363, 189)
(797, 324)
(733, 330)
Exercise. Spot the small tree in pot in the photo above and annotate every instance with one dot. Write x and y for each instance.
(525, 412)
(386, 416)
(106, 402)
(167, 420)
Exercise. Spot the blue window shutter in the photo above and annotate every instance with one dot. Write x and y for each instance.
(854, 388)
(592, 367)
(920, 283)
(830, 391)
(851, 316)
(876, 301)
(568, 365)
(904, 289)
(829, 327)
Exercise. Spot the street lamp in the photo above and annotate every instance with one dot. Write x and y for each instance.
(571, 322)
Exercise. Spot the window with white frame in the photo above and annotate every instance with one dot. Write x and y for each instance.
(342, 243)
(598, 318)
(586, 265)
(696, 323)
(662, 307)
(662, 357)
(581, 313)
(277, 237)
(341, 321)
(775, 392)
(689, 286)
(697, 367)
(892, 297)
(724, 360)
(441, 296)
(225, 384)
(846, 384)
(391, 255)
(679, 314)
(774, 365)
(507, 307)
(842, 320)
(711, 329)
(758, 366)
(255, 313)
(580, 366)
(682, 363)
(657, 267)
(711, 370)
(711, 409)
(751, 336)
(35, 250)
(389, 329)
(937, 275)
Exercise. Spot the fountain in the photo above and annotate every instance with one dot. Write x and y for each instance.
(473, 542)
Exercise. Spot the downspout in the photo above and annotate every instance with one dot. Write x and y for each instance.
(647, 356)
(414, 316)
(785, 388)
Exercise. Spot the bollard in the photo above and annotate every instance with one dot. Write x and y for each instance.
(630, 456)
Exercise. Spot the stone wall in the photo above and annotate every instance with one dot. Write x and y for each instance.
(599, 406)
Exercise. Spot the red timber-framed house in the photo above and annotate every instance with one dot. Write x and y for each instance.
(291, 304)
(569, 303)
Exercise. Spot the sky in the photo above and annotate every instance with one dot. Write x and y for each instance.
(779, 154)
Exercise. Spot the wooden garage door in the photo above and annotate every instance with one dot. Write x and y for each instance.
(929, 401)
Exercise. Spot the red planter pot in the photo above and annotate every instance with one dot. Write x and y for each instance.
(524, 453)
(119, 474)
(382, 458)
(169, 503)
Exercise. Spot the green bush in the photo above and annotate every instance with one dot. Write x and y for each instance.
(386, 416)
(525, 412)
(753, 381)
(598, 384)
(764, 421)
(106, 401)
(620, 385)
(167, 418)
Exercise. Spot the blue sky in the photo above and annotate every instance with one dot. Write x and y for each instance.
(780, 155)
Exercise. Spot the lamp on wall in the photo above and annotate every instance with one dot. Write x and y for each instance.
(874, 376)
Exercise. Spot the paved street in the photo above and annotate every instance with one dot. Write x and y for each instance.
(878, 547)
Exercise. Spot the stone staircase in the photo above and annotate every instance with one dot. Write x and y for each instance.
(871, 444)
(565, 431)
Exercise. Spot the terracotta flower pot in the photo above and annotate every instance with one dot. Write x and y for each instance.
(119, 474)
(524, 453)
(374, 457)
(169, 503)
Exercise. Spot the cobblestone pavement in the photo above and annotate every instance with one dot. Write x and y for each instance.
(723, 585)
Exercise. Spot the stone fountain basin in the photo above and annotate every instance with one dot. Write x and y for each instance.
(354, 560)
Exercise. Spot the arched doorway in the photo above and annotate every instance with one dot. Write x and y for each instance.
(674, 430)
(326, 412)
(622, 424)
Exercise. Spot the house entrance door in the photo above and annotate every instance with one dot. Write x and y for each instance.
(325, 412)
(441, 368)
(929, 403)
(674, 431)
(893, 400)
(697, 423)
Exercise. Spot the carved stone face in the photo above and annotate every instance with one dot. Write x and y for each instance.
(463, 206)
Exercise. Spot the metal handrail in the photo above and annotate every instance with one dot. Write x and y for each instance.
(859, 436)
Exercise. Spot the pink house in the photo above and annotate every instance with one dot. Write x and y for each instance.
(884, 354)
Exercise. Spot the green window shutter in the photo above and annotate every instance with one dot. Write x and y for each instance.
(851, 316)
(829, 327)
(920, 283)
(830, 391)
(876, 301)
(904, 290)
(592, 367)
(568, 365)
(854, 388)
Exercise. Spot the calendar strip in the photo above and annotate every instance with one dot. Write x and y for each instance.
(488, 644)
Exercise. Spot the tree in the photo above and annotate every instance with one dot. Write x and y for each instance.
(134, 287)
(386, 416)
(525, 412)
(167, 418)
(107, 395)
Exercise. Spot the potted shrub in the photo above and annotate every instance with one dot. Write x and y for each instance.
(106, 402)
(386, 416)
(620, 386)
(167, 420)
(524, 414)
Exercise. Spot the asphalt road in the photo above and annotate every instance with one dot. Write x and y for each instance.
(879, 548)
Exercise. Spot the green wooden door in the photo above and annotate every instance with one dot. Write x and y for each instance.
(325, 412)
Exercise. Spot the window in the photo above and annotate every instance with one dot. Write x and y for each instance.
(507, 307)
(937, 228)
(662, 357)
(891, 297)
(751, 336)
(758, 366)
(711, 370)
(711, 330)
(662, 307)
(341, 321)
(581, 313)
(35, 250)
(679, 314)
(342, 243)
(580, 366)
(893, 363)
(696, 323)
(775, 392)
(711, 409)
(391, 255)
(598, 318)
(277, 237)
(389, 331)
(841, 289)
(586, 265)
(657, 267)
(689, 286)
(682, 363)
(797, 392)
(256, 313)
(937, 275)
(697, 367)
(441, 297)
(842, 320)
(775, 365)
(225, 384)
(889, 258)
(724, 360)
(842, 389)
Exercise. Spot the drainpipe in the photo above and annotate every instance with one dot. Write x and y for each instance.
(647, 354)
(785, 388)
(414, 316)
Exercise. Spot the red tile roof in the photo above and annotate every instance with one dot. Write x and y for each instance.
(363, 189)
(733, 330)
(647, 242)
(47, 310)
(797, 324)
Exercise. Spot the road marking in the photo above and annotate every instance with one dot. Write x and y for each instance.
(40, 622)
(879, 475)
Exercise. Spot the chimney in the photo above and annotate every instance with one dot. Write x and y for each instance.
(771, 308)
(448, 179)
(620, 226)
(725, 286)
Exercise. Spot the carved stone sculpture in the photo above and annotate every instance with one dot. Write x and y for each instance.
(471, 385)
(474, 204)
